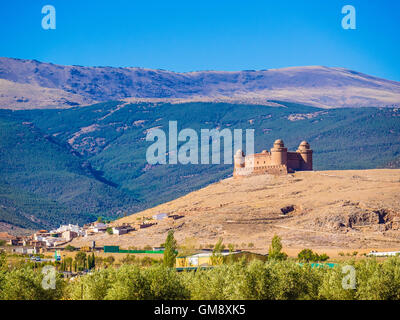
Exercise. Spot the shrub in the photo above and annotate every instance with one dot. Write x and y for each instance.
(26, 284)
(307, 255)
(165, 284)
(331, 287)
(129, 284)
(92, 286)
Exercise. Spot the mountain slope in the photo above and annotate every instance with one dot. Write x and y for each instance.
(44, 184)
(316, 86)
(21, 94)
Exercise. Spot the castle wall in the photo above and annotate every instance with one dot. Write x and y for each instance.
(306, 160)
(294, 160)
(248, 171)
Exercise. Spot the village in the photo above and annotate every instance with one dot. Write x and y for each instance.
(44, 240)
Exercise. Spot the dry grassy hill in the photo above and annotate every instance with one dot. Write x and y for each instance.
(328, 211)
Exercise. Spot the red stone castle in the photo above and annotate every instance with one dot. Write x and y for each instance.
(278, 161)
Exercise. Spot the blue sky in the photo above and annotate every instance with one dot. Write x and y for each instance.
(206, 35)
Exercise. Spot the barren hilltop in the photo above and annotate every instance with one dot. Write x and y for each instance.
(324, 210)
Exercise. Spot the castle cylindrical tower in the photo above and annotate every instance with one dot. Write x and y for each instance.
(239, 159)
(305, 152)
(279, 153)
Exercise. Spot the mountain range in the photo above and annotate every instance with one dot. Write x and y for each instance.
(30, 84)
(66, 159)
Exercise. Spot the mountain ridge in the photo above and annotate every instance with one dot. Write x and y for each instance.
(65, 86)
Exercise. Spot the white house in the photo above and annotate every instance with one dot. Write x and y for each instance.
(120, 230)
(69, 227)
(384, 254)
(160, 216)
(99, 227)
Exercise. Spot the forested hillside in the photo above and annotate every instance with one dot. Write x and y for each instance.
(42, 183)
(90, 161)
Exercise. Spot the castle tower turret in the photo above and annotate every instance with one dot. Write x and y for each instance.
(239, 159)
(305, 152)
(279, 153)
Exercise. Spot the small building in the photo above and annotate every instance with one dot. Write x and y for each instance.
(27, 242)
(176, 216)
(14, 242)
(99, 227)
(146, 225)
(120, 230)
(38, 244)
(69, 235)
(158, 249)
(384, 254)
(23, 250)
(203, 259)
(160, 216)
(70, 227)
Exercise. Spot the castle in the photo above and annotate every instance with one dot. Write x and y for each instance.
(278, 161)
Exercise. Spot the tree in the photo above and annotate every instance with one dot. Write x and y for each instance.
(170, 250)
(92, 264)
(323, 257)
(275, 250)
(306, 255)
(3, 260)
(70, 248)
(68, 263)
(80, 260)
(217, 258)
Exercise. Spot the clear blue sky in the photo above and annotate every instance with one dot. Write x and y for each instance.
(206, 35)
